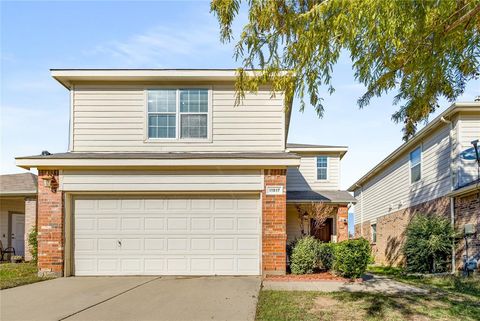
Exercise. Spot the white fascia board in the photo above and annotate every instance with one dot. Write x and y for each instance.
(28, 163)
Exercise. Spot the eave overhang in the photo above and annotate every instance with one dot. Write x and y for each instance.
(144, 161)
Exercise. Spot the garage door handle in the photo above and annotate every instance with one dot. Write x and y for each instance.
(119, 243)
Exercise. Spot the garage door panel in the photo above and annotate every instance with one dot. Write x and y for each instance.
(202, 235)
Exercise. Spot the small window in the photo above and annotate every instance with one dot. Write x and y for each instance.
(374, 233)
(416, 165)
(189, 112)
(322, 167)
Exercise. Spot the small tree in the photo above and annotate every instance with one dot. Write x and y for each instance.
(33, 243)
(428, 244)
(351, 257)
(317, 210)
(304, 259)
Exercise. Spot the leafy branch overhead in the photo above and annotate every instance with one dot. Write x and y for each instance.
(421, 50)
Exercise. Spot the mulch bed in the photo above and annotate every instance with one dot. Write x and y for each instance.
(320, 276)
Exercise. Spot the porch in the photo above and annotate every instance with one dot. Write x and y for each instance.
(322, 214)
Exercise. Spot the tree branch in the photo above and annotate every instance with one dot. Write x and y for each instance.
(462, 19)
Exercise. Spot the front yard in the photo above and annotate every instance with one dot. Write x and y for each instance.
(15, 274)
(449, 298)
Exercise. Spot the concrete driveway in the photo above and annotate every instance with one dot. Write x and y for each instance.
(133, 298)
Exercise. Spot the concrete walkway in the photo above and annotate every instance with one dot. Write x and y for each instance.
(372, 284)
(133, 298)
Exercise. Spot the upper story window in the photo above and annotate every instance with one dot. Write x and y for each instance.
(178, 113)
(416, 165)
(322, 167)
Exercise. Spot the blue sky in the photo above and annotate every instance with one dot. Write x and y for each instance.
(37, 36)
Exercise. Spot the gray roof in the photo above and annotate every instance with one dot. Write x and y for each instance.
(164, 156)
(320, 196)
(293, 145)
(18, 184)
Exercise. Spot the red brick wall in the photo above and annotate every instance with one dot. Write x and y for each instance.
(467, 211)
(274, 224)
(392, 226)
(50, 227)
(30, 223)
(342, 227)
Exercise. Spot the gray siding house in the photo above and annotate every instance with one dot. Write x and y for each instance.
(426, 174)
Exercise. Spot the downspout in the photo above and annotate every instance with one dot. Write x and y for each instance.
(452, 198)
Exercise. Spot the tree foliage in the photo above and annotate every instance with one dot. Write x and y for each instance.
(428, 244)
(420, 49)
(33, 243)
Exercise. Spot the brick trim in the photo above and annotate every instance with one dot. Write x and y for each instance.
(50, 226)
(274, 224)
(342, 223)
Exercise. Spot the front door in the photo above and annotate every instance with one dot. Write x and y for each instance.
(18, 234)
(322, 231)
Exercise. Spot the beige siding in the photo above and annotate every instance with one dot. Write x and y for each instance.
(113, 118)
(16, 205)
(468, 130)
(305, 177)
(390, 190)
(293, 224)
(167, 181)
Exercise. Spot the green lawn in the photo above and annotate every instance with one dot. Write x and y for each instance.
(452, 284)
(449, 298)
(15, 274)
(283, 305)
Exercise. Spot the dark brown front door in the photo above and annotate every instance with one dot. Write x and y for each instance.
(321, 231)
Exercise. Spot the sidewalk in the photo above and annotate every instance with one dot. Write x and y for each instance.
(371, 284)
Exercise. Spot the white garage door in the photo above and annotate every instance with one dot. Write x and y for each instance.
(209, 235)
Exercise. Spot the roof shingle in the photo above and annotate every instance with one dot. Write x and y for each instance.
(18, 184)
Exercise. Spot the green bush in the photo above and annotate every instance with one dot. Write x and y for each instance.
(352, 257)
(304, 257)
(428, 244)
(326, 254)
(33, 243)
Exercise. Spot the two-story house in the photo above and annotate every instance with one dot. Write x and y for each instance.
(165, 175)
(435, 172)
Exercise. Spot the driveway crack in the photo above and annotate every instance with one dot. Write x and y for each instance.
(110, 298)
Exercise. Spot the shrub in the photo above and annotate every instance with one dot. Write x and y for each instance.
(428, 244)
(352, 257)
(304, 257)
(33, 243)
(326, 254)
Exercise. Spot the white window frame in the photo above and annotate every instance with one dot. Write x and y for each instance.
(316, 168)
(420, 164)
(373, 232)
(177, 138)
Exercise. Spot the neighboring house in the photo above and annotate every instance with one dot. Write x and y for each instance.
(18, 211)
(165, 175)
(427, 174)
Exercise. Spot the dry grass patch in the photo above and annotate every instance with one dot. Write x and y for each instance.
(358, 306)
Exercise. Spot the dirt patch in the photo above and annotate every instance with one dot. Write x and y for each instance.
(323, 302)
(332, 309)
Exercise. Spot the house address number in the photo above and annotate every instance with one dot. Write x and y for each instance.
(274, 190)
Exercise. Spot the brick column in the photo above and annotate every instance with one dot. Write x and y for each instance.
(50, 226)
(30, 223)
(274, 224)
(342, 223)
